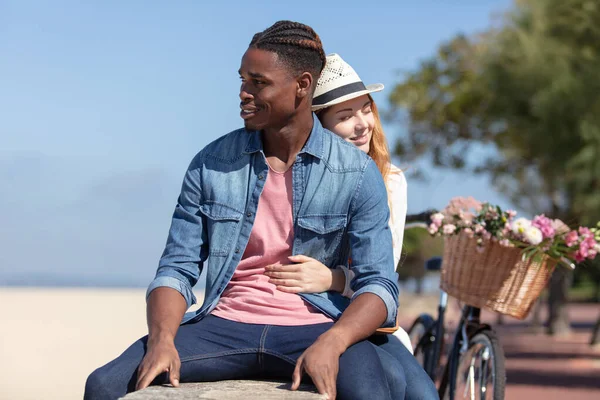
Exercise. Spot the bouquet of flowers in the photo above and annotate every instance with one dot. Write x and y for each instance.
(537, 238)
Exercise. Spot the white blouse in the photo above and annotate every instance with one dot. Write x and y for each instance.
(397, 199)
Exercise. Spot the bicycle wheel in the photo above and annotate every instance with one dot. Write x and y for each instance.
(421, 335)
(480, 374)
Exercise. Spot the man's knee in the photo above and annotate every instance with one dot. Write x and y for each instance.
(362, 375)
(422, 389)
(396, 380)
(94, 385)
(430, 391)
(102, 385)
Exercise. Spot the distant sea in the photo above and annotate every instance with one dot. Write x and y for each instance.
(51, 280)
(430, 283)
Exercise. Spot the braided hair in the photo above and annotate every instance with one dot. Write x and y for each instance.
(297, 45)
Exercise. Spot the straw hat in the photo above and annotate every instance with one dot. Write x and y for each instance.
(338, 83)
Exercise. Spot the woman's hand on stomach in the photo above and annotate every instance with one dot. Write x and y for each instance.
(305, 275)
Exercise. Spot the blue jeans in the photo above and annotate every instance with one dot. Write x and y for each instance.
(418, 385)
(214, 349)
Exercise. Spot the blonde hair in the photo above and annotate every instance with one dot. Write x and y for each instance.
(378, 148)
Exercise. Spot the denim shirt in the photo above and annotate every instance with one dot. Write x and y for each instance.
(340, 210)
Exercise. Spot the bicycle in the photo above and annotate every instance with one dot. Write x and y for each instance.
(474, 368)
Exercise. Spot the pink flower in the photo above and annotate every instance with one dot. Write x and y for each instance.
(560, 227)
(583, 249)
(469, 232)
(583, 252)
(571, 238)
(432, 229)
(579, 257)
(504, 243)
(511, 213)
(544, 224)
(479, 228)
(590, 244)
(491, 213)
(437, 219)
(583, 231)
(463, 204)
(449, 229)
(548, 232)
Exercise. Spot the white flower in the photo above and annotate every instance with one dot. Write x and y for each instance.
(520, 225)
(533, 235)
(449, 229)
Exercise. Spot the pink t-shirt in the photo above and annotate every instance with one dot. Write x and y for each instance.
(249, 297)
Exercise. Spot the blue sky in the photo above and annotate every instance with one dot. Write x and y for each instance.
(104, 103)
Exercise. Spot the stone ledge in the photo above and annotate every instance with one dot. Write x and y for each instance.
(228, 390)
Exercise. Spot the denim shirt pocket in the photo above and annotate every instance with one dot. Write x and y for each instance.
(222, 225)
(321, 236)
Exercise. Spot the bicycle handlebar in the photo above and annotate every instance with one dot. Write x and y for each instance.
(422, 219)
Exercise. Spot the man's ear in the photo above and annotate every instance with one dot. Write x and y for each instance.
(304, 85)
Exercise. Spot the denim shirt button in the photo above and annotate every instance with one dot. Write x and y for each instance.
(260, 177)
(248, 214)
(237, 250)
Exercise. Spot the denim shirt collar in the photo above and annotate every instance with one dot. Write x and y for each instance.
(313, 146)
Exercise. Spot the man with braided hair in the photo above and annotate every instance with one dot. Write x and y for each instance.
(280, 186)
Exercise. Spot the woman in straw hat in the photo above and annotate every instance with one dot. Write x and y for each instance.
(344, 105)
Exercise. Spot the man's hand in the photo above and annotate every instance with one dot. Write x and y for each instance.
(161, 357)
(321, 362)
(166, 307)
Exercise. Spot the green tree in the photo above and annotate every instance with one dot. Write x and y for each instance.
(520, 102)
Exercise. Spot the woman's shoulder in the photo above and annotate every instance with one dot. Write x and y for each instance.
(395, 176)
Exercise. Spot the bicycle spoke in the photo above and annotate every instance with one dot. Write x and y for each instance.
(485, 358)
(475, 375)
(471, 380)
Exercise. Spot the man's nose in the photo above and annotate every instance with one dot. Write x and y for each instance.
(245, 95)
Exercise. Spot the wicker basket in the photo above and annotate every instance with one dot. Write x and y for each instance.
(497, 278)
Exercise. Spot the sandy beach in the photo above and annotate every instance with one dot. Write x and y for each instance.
(51, 339)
